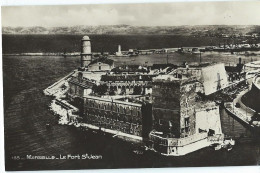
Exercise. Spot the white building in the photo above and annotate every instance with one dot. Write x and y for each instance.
(101, 64)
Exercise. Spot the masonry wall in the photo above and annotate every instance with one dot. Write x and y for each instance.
(121, 116)
(79, 87)
(166, 107)
(75, 90)
(187, 108)
(252, 98)
(99, 67)
(208, 119)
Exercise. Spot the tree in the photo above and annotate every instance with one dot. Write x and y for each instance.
(103, 89)
(123, 90)
(100, 89)
(111, 91)
(137, 90)
(94, 88)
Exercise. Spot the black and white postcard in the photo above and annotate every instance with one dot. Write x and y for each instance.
(131, 85)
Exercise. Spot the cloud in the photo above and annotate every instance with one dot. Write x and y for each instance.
(160, 14)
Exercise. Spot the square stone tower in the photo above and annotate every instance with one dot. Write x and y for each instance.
(174, 106)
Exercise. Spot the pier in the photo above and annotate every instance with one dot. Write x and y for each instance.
(55, 89)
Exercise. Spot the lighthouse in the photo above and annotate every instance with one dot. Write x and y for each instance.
(86, 55)
(119, 53)
(119, 48)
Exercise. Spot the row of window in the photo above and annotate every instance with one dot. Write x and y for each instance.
(114, 107)
(124, 127)
(116, 117)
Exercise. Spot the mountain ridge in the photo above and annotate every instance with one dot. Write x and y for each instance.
(196, 30)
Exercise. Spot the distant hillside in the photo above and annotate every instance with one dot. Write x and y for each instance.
(212, 30)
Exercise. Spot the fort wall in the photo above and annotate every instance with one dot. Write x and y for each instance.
(252, 98)
(126, 117)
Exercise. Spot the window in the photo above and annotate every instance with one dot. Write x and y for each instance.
(187, 129)
(99, 67)
(187, 122)
(186, 102)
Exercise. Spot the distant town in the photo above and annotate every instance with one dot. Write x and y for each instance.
(242, 49)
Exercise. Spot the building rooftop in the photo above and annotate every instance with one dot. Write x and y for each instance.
(86, 38)
(129, 68)
(166, 78)
(127, 77)
(104, 60)
(83, 83)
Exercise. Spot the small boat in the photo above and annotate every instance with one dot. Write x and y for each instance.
(232, 142)
(229, 147)
(139, 152)
(218, 147)
(47, 125)
(228, 143)
(77, 125)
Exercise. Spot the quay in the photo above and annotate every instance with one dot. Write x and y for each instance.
(241, 112)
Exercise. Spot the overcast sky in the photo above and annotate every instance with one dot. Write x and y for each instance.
(153, 14)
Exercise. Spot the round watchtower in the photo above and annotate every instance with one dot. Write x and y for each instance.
(86, 55)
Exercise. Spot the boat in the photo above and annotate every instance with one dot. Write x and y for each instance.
(77, 125)
(227, 144)
(48, 125)
(139, 150)
(229, 140)
(217, 146)
(229, 147)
